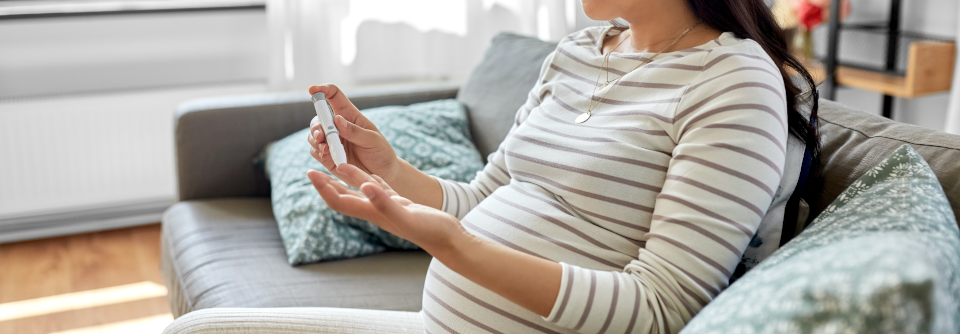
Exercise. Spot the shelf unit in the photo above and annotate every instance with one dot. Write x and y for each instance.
(929, 64)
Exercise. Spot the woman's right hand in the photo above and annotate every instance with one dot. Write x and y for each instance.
(366, 148)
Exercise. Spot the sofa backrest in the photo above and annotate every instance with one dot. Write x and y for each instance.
(855, 141)
(499, 85)
(217, 139)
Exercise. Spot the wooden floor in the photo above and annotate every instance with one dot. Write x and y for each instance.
(47, 274)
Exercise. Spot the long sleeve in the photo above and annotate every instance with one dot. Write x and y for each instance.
(730, 129)
(459, 198)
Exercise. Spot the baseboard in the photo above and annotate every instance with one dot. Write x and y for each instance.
(82, 220)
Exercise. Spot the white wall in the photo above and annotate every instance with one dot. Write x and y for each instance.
(87, 103)
(933, 17)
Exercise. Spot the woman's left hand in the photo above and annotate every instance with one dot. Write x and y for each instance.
(433, 230)
(525, 279)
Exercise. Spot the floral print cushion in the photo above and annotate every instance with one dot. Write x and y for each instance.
(432, 136)
(884, 257)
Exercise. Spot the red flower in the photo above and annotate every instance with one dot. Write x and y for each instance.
(811, 13)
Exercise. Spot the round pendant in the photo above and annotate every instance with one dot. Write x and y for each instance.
(583, 117)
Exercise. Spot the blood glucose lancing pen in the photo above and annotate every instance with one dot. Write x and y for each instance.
(329, 128)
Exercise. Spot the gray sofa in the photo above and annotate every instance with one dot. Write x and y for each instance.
(221, 248)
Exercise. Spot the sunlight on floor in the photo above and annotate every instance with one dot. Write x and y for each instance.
(152, 324)
(81, 300)
(101, 282)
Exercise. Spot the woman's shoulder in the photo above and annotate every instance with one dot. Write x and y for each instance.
(738, 67)
(729, 52)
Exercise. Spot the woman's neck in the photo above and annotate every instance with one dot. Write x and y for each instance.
(656, 26)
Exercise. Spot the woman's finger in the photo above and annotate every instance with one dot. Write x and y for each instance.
(311, 140)
(339, 187)
(383, 184)
(356, 134)
(353, 175)
(324, 159)
(315, 127)
(403, 201)
(334, 193)
(342, 105)
(384, 203)
(334, 96)
(354, 206)
(343, 190)
(321, 182)
(358, 207)
(318, 137)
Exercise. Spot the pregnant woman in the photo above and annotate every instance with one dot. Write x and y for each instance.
(627, 191)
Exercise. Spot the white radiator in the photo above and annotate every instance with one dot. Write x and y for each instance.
(81, 163)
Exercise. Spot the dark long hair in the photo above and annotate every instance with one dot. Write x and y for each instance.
(752, 19)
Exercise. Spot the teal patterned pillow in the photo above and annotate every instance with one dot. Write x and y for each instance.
(432, 136)
(884, 257)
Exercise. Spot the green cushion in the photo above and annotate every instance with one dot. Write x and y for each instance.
(432, 136)
(884, 257)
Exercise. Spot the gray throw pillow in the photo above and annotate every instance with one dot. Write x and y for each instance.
(499, 85)
(431, 136)
(884, 257)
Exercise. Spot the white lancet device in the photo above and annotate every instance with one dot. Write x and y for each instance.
(329, 128)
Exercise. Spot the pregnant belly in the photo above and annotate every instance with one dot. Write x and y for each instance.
(528, 219)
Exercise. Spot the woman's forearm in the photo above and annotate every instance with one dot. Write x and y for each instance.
(416, 186)
(524, 279)
(528, 281)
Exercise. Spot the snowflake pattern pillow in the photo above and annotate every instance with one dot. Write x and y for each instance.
(884, 257)
(432, 136)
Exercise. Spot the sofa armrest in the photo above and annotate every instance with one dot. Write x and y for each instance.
(216, 139)
(310, 320)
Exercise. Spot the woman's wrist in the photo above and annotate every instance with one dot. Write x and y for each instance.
(415, 185)
(396, 173)
(398, 178)
(452, 251)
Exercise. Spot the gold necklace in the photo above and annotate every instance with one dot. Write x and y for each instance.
(605, 62)
(585, 116)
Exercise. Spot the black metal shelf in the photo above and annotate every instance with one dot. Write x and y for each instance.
(890, 29)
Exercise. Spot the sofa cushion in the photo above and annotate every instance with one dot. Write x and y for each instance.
(499, 85)
(228, 253)
(883, 257)
(855, 141)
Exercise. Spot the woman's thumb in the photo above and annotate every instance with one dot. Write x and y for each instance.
(356, 134)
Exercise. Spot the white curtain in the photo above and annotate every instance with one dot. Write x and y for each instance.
(953, 111)
(364, 42)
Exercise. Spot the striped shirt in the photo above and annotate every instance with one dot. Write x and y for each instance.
(648, 206)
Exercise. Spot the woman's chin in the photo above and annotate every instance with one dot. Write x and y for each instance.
(598, 10)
